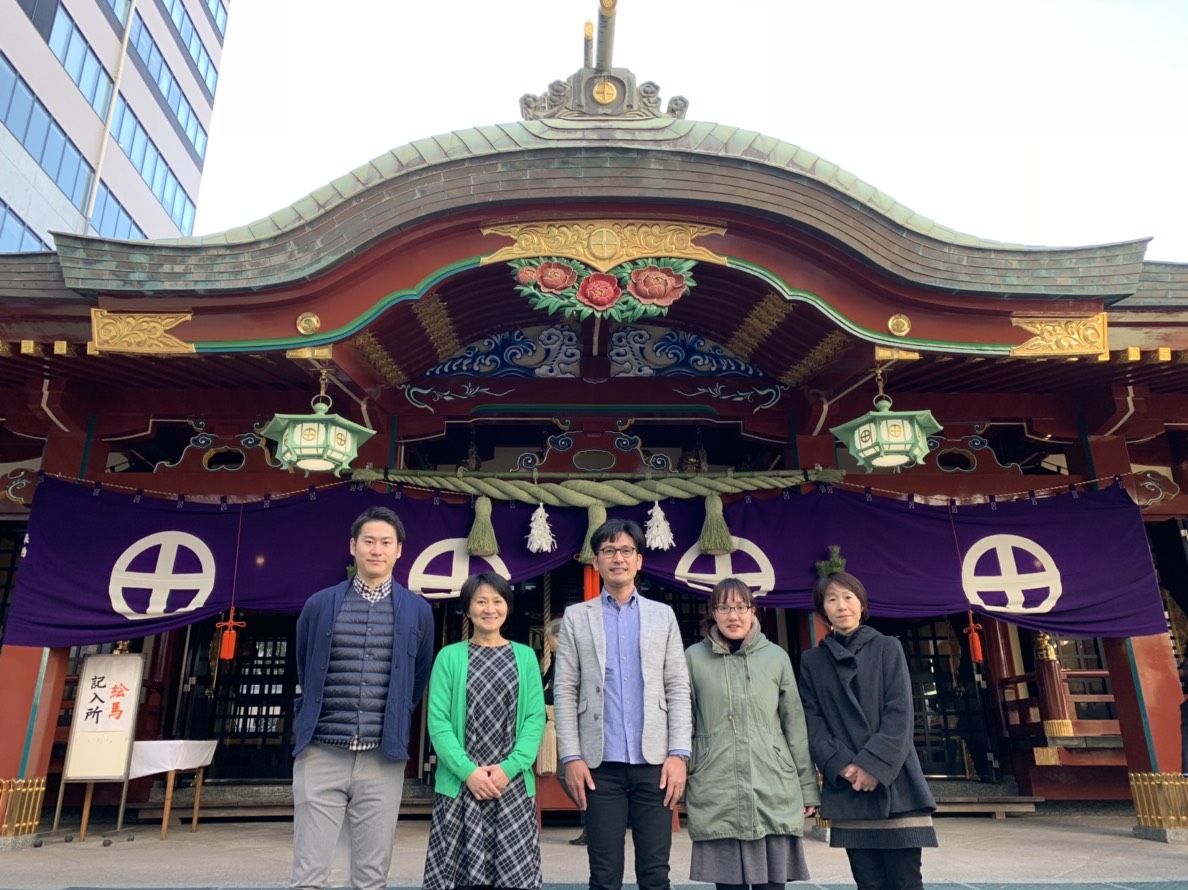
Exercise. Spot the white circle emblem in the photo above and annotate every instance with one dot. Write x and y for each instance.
(164, 578)
(437, 587)
(1021, 564)
(760, 578)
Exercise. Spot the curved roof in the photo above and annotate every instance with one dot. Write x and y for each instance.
(658, 160)
(717, 140)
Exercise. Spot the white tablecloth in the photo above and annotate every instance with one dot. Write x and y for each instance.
(149, 758)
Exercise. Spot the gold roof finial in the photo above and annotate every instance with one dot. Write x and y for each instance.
(606, 33)
(598, 89)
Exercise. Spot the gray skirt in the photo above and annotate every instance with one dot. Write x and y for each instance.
(774, 859)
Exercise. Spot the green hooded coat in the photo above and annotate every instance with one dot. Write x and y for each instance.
(750, 774)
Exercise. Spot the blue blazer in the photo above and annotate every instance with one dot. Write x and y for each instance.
(412, 659)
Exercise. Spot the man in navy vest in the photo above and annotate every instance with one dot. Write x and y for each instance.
(364, 651)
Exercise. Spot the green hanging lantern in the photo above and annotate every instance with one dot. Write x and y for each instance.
(886, 438)
(319, 442)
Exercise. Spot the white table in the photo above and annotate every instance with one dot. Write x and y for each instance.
(172, 757)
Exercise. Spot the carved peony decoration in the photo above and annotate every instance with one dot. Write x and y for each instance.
(599, 291)
(554, 278)
(657, 287)
(630, 291)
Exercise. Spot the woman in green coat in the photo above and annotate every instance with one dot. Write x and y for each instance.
(485, 717)
(751, 780)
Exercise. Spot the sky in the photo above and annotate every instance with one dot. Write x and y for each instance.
(1039, 122)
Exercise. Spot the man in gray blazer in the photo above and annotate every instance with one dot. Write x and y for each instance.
(624, 715)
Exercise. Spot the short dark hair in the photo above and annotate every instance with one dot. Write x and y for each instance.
(612, 528)
(841, 579)
(496, 582)
(721, 594)
(378, 514)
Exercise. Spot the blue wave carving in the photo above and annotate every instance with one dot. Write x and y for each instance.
(554, 352)
(634, 353)
(694, 356)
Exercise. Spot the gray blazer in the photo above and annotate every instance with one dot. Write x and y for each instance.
(581, 668)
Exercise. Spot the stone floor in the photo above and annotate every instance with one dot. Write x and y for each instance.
(1094, 849)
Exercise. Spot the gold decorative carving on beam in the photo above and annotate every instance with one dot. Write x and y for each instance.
(1063, 336)
(64, 348)
(5, 350)
(817, 359)
(138, 333)
(32, 348)
(431, 312)
(324, 353)
(604, 243)
(1046, 756)
(759, 324)
(899, 324)
(895, 354)
(373, 352)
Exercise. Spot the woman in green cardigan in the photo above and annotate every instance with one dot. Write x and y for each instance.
(485, 718)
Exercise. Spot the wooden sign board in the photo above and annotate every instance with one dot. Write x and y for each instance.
(104, 722)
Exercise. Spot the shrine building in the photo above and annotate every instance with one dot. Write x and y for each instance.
(606, 308)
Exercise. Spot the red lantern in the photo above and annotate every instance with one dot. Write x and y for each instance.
(975, 641)
(227, 643)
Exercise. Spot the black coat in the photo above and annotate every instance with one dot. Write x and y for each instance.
(858, 706)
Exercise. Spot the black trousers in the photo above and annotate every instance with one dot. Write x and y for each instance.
(886, 869)
(627, 794)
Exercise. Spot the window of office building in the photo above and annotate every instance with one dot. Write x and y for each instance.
(29, 121)
(120, 8)
(192, 42)
(218, 12)
(15, 236)
(110, 219)
(142, 41)
(68, 44)
(131, 136)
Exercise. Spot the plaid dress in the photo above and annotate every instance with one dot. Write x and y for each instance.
(490, 843)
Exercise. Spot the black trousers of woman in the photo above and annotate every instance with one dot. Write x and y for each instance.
(886, 869)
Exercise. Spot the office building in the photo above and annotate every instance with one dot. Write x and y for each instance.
(106, 107)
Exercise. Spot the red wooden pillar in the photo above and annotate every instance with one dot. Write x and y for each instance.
(34, 678)
(1049, 678)
(30, 698)
(1000, 663)
(591, 582)
(1147, 698)
(1143, 672)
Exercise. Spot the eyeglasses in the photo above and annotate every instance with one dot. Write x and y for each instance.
(609, 552)
(723, 609)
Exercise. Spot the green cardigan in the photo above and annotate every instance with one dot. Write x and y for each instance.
(446, 718)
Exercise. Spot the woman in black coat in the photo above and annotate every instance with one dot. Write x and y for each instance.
(858, 705)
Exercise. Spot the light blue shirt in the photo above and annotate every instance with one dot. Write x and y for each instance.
(623, 684)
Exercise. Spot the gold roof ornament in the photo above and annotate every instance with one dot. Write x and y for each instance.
(598, 89)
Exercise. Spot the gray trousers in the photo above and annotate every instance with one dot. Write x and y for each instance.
(329, 784)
